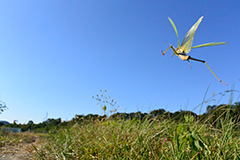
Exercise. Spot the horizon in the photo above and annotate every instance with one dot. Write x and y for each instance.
(116, 112)
(113, 113)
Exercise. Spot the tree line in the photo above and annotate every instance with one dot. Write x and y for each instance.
(213, 114)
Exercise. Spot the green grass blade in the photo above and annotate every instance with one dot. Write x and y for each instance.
(175, 29)
(210, 44)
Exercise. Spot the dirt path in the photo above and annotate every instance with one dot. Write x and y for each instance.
(20, 151)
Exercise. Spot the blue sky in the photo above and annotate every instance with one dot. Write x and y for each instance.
(56, 55)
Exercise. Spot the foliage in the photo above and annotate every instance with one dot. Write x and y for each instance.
(212, 116)
(3, 107)
(146, 139)
(156, 135)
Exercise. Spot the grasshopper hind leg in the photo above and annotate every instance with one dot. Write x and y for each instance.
(190, 58)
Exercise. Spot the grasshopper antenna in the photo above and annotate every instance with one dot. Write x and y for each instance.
(168, 43)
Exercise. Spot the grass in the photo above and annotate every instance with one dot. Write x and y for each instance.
(8, 139)
(210, 138)
(149, 139)
(19, 145)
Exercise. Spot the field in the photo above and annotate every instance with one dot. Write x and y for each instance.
(157, 135)
(17, 146)
(157, 138)
(149, 139)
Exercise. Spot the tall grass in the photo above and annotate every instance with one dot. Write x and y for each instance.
(150, 139)
(153, 138)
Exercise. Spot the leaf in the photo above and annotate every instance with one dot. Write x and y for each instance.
(196, 142)
(191, 119)
(104, 108)
(194, 134)
(186, 118)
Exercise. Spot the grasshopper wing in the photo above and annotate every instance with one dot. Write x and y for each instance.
(209, 44)
(186, 45)
(175, 29)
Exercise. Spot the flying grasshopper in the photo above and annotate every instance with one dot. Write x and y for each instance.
(186, 46)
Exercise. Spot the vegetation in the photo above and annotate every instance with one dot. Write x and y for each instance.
(3, 106)
(7, 138)
(156, 138)
(155, 135)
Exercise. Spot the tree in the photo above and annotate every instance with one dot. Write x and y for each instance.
(3, 106)
(158, 112)
(30, 125)
(30, 122)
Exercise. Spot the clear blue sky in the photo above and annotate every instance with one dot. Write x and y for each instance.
(56, 55)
